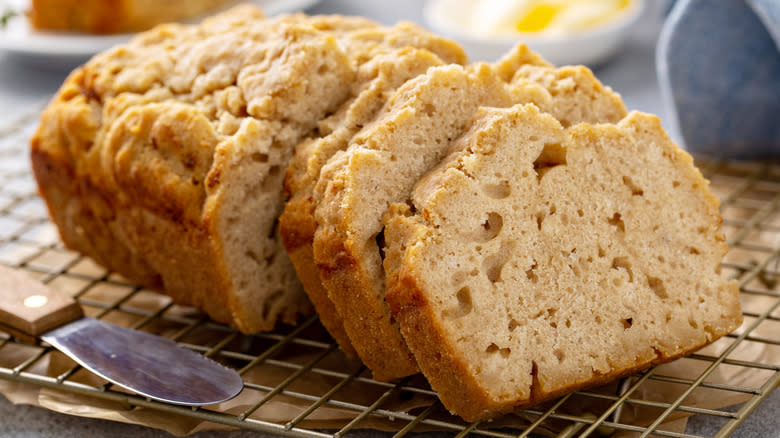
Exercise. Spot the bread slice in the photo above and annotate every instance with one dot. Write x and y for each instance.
(378, 78)
(534, 260)
(163, 159)
(385, 159)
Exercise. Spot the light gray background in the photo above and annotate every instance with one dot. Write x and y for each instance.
(26, 84)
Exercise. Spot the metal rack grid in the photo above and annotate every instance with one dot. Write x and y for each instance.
(303, 368)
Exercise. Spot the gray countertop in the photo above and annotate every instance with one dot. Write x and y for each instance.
(25, 86)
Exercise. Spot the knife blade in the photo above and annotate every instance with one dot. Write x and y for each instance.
(150, 365)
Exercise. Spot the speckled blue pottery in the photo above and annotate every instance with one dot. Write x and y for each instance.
(719, 69)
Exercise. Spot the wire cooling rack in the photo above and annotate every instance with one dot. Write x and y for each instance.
(299, 384)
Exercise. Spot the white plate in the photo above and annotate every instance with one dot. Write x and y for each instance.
(18, 37)
(591, 47)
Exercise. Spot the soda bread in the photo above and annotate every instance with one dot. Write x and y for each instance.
(163, 159)
(507, 229)
(381, 165)
(534, 260)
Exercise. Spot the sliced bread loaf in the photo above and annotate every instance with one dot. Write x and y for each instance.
(384, 160)
(534, 260)
(163, 159)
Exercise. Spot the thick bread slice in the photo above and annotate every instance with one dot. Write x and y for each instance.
(164, 159)
(379, 167)
(534, 261)
(414, 133)
(378, 79)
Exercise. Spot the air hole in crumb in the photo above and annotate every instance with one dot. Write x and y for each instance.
(568, 323)
(657, 285)
(692, 322)
(429, 110)
(259, 157)
(598, 319)
(539, 220)
(693, 250)
(493, 264)
(676, 184)
(531, 274)
(492, 348)
(553, 154)
(464, 305)
(253, 256)
(580, 213)
(270, 301)
(497, 191)
(558, 355)
(622, 262)
(491, 227)
(635, 189)
(617, 221)
(270, 180)
(513, 324)
(602, 253)
(628, 322)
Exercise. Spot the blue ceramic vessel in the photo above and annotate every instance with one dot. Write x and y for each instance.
(719, 68)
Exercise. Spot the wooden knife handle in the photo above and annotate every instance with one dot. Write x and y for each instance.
(30, 306)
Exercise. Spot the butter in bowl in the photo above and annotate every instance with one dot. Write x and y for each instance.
(562, 31)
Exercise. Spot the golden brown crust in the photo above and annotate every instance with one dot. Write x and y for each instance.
(341, 272)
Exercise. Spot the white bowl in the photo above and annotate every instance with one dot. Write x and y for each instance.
(590, 48)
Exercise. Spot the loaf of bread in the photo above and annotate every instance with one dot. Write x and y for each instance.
(534, 260)
(116, 16)
(163, 159)
(385, 159)
(508, 229)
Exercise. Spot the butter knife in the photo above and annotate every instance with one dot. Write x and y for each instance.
(150, 365)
